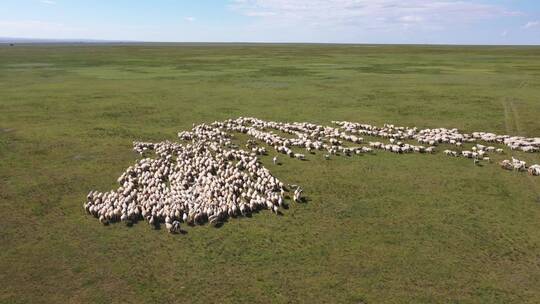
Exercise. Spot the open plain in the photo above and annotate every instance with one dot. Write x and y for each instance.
(374, 228)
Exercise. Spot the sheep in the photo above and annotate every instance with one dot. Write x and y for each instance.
(206, 177)
(175, 228)
(450, 153)
(430, 150)
(534, 170)
(467, 154)
(297, 195)
(506, 164)
(518, 165)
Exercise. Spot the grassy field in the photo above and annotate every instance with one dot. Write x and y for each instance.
(378, 228)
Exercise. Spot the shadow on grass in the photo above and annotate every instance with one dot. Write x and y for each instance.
(181, 231)
(304, 200)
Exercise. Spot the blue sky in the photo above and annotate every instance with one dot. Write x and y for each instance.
(334, 21)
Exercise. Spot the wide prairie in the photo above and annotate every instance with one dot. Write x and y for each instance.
(381, 228)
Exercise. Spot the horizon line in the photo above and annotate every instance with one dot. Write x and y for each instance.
(29, 40)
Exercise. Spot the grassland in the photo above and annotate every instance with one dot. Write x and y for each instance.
(377, 228)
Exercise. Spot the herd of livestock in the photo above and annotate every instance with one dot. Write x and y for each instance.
(206, 177)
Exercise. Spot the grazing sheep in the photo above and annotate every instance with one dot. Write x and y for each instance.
(208, 178)
(430, 150)
(506, 164)
(518, 165)
(534, 170)
(450, 153)
(297, 194)
(467, 154)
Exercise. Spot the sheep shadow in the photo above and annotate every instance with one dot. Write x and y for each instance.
(220, 224)
(181, 231)
(304, 200)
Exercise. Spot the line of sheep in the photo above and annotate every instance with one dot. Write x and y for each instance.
(209, 179)
(519, 165)
(437, 136)
(441, 135)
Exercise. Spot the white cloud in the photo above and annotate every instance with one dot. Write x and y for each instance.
(190, 19)
(531, 24)
(49, 2)
(372, 14)
(411, 19)
(260, 14)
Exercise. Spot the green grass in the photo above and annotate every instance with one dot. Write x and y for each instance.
(378, 228)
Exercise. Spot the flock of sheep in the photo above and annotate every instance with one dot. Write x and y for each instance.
(208, 178)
